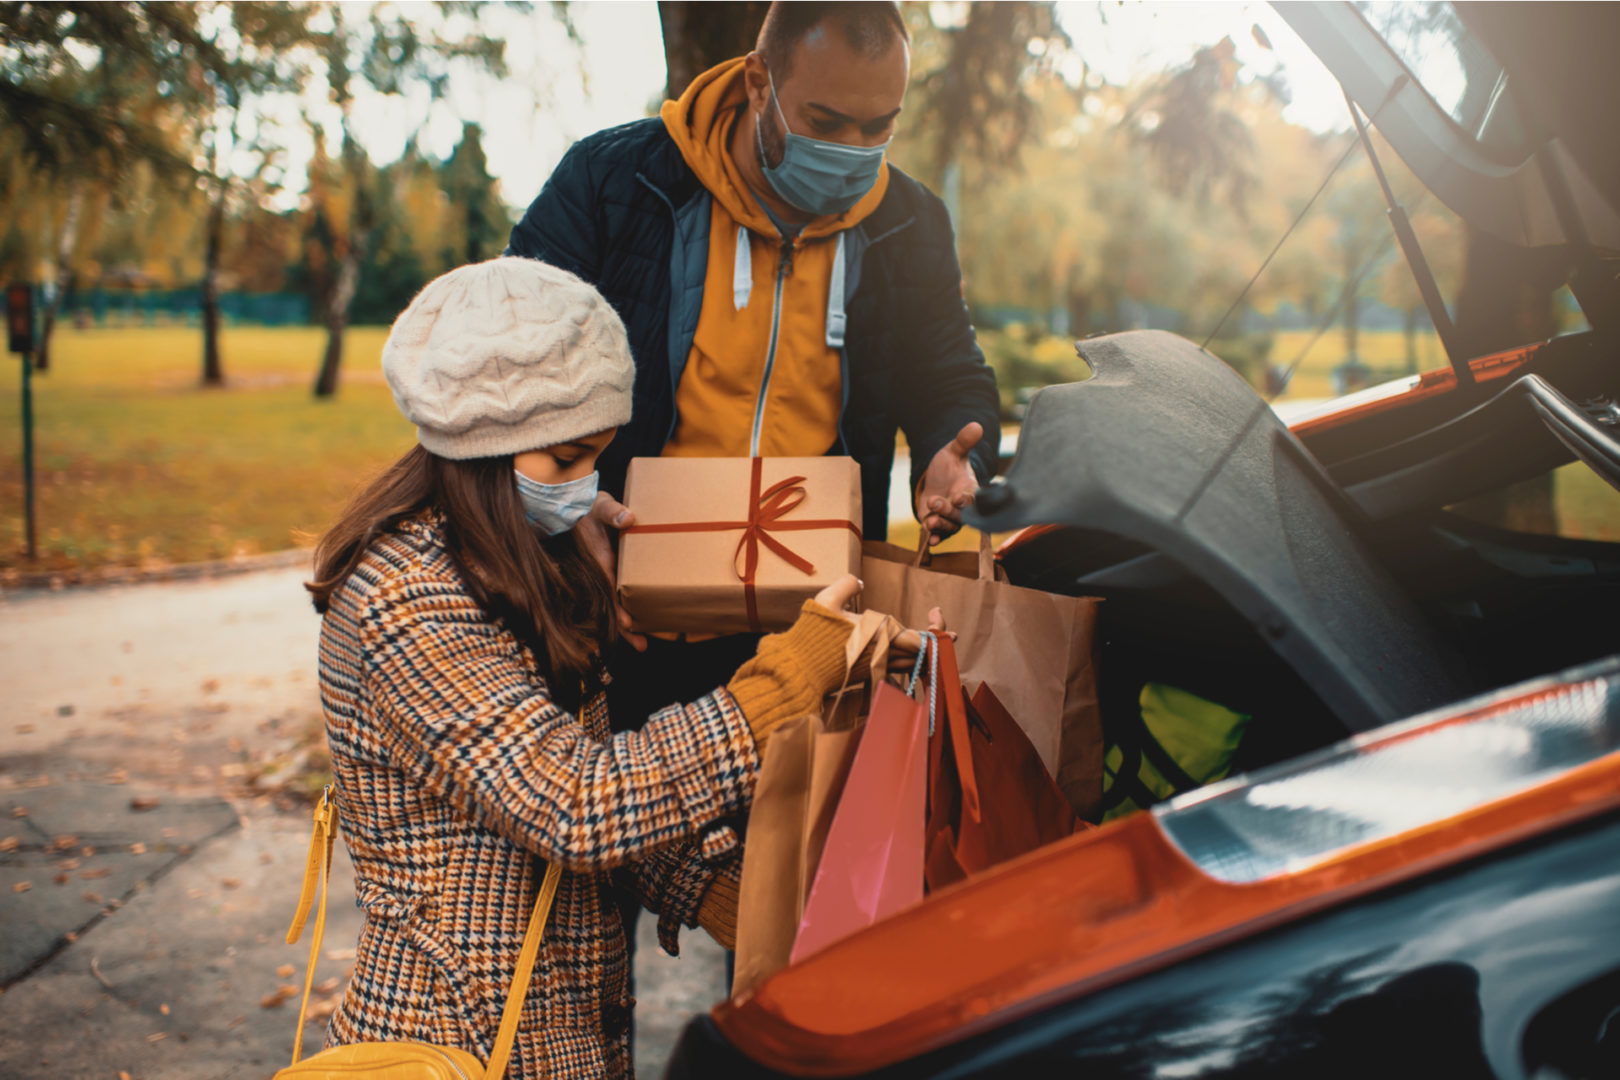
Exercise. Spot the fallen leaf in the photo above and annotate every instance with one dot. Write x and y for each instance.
(68, 864)
(117, 776)
(62, 879)
(234, 745)
(124, 1075)
(157, 1036)
(9, 843)
(236, 1022)
(38, 781)
(209, 686)
(164, 1009)
(340, 954)
(137, 848)
(274, 1000)
(145, 802)
(24, 729)
(19, 811)
(320, 1010)
(95, 872)
(232, 769)
(231, 883)
(87, 851)
(92, 897)
(327, 986)
(169, 832)
(63, 842)
(70, 937)
(265, 858)
(285, 971)
(22, 886)
(64, 710)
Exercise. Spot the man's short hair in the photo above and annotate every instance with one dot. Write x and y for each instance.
(870, 29)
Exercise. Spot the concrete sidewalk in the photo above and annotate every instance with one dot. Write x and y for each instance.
(145, 884)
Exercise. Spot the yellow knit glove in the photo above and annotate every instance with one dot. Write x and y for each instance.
(792, 671)
(718, 912)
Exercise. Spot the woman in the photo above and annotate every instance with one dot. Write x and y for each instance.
(460, 671)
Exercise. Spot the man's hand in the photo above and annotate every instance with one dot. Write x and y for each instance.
(609, 513)
(948, 485)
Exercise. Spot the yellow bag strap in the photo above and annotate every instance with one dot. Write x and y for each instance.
(318, 866)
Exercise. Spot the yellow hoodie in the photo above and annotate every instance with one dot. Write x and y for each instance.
(761, 377)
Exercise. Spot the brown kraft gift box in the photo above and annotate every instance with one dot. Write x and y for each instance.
(727, 545)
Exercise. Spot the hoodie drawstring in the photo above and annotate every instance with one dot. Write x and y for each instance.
(742, 273)
(835, 299)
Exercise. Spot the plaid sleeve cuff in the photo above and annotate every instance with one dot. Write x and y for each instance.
(700, 864)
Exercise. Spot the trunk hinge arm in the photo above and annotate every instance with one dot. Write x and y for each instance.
(1419, 265)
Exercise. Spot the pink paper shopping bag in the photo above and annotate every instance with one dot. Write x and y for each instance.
(872, 863)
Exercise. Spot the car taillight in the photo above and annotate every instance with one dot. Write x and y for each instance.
(1396, 779)
(1207, 869)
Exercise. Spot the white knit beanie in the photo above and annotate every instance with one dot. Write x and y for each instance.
(506, 356)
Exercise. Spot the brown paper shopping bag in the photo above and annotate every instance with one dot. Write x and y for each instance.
(1035, 650)
(800, 782)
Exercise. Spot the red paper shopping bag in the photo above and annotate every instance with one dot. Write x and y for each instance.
(872, 862)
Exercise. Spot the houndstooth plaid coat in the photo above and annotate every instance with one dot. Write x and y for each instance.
(457, 775)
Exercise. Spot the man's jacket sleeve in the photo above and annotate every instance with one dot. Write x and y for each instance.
(945, 382)
(562, 226)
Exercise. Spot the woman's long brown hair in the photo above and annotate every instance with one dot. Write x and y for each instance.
(548, 590)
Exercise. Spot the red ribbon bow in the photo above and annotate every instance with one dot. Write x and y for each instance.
(765, 512)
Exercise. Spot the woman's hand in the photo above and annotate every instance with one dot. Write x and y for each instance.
(837, 596)
(608, 513)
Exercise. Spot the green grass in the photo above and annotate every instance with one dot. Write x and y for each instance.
(137, 464)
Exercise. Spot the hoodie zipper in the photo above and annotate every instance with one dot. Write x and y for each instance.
(784, 267)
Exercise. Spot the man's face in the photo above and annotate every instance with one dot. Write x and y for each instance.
(831, 93)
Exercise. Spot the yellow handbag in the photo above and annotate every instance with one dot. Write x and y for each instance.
(400, 1060)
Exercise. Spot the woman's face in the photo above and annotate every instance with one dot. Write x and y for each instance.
(565, 461)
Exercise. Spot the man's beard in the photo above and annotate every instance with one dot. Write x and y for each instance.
(771, 145)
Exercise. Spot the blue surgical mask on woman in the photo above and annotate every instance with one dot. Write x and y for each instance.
(556, 508)
(819, 177)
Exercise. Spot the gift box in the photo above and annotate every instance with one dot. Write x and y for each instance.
(726, 545)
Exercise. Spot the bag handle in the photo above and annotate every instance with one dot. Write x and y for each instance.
(987, 556)
(956, 719)
(318, 866)
(877, 630)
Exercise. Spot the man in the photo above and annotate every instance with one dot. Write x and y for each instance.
(786, 291)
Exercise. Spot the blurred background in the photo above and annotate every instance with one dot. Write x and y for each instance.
(225, 205)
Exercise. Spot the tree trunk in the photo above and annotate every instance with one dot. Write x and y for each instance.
(213, 373)
(698, 36)
(64, 275)
(337, 320)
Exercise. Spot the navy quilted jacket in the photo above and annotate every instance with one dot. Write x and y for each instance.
(625, 212)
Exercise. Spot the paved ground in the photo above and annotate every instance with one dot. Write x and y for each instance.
(145, 879)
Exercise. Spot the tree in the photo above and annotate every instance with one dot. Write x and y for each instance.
(386, 54)
(1190, 122)
(245, 51)
(970, 79)
(699, 36)
(479, 221)
(91, 91)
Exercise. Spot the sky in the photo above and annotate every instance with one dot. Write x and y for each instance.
(531, 117)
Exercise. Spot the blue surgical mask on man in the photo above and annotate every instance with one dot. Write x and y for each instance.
(818, 177)
(556, 508)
